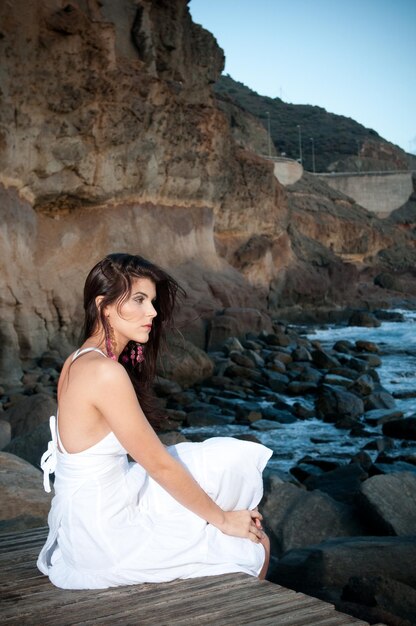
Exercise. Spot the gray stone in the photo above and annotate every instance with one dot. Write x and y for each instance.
(324, 360)
(379, 399)
(341, 484)
(364, 318)
(301, 354)
(241, 359)
(337, 381)
(278, 415)
(164, 387)
(202, 418)
(344, 346)
(265, 425)
(300, 388)
(232, 344)
(401, 429)
(333, 562)
(278, 339)
(380, 416)
(277, 382)
(363, 385)
(334, 403)
(255, 357)
(378, 599)
(297, 518)
(367, 346)
(238, 371)
(390, 502)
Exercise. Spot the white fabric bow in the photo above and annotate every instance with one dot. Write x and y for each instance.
(48, 460)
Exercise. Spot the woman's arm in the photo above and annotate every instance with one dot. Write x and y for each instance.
(114, 396)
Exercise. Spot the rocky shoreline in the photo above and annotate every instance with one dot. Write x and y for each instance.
(343, 527)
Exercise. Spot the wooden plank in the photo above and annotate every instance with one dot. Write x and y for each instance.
(28, 598)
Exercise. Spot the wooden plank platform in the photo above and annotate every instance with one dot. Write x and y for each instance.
(27, 598)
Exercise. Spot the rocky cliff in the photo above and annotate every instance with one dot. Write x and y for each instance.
(111, 140)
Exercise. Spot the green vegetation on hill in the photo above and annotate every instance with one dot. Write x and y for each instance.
(335, 137)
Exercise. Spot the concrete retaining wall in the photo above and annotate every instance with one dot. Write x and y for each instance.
(379, 192)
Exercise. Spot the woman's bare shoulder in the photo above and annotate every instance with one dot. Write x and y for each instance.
(94, 367)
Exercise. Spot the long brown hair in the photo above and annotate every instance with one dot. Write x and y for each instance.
(112, 278)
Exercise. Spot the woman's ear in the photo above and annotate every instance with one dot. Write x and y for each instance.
(98, 302)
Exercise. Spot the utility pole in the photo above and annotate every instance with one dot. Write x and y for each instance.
(300, 144)
(313, 154)
(269, 146)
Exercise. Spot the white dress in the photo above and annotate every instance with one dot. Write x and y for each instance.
(111, 524)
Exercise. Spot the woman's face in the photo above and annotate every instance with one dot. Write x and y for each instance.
(132, 321)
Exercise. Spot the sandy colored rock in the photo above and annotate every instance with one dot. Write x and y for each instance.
(5, 433)
(29, 412)
(184, 363)
(23, 502)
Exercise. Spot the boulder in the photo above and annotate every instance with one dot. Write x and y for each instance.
(279, 338)
(301, 354)
(297, 518)
(389, 502)
(265, 425)
(401, 428)
(364, 318)
(241, 359)
(276, 381)
(378, 599)
(334, 403)
(379, 399)
(5, 433)
(171, 437)
(363, 385)
(29, 411)
(342, 483)
(300, 388)
(164, 387)
(184, 363)
(235, 322)
(324, 360)
(32, 445)
(380, 416)
(202, 418)
(367, 346)
(278, 415)
(23, 501)
(344, 346)
(332, 563)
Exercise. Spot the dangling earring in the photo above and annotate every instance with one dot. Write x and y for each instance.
(136, 354)
(110, 340)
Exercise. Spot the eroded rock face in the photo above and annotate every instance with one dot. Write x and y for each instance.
(110, 140)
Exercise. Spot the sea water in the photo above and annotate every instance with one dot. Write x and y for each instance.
(312, 437)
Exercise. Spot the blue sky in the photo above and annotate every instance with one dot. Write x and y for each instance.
(355, 58)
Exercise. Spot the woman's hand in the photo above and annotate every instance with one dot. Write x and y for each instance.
(243, 524)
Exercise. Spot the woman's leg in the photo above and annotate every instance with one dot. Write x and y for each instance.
(266, 544)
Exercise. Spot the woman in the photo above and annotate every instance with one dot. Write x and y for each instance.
(179, 512)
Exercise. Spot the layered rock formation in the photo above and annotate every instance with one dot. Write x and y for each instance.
(111, 140)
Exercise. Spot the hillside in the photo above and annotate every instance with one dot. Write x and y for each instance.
(340, 143)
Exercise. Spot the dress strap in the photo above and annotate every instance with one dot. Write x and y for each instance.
(48, 460)
(82, 351)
